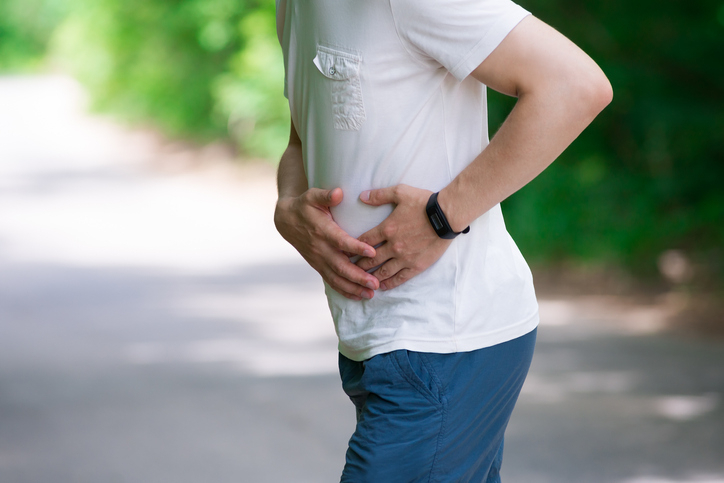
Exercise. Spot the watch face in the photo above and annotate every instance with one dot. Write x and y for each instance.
(436, 222)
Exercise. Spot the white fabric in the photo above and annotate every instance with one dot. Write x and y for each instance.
(380, 95)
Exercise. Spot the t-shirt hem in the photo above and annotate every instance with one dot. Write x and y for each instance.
(489, 42)
(447, 346)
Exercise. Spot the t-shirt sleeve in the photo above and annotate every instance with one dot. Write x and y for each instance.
(458, 34)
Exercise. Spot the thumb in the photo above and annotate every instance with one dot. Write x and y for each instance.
(331, 197)
(378, 197)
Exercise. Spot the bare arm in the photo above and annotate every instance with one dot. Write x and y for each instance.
(560, 91)
(303, 218)
(291, 178)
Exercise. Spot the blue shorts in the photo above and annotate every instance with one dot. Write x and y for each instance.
(433, 417)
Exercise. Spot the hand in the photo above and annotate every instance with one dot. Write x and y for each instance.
(307, 224)
(410, 244)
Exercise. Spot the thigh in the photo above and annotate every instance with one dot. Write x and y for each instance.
(481, 390)
(433, 417)
(400, 419)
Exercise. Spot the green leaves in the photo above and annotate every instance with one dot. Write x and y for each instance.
(646, 176)
(201, 69)
(25, 27)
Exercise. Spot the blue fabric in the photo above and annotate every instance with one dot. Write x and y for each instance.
(424, 417)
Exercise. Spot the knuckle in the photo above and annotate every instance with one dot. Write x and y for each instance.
(339, 269)
(308, 195)
(347, 272)
(398, 246)
(389, 229)
(337, 282)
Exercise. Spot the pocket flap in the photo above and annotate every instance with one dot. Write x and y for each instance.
(335, 64)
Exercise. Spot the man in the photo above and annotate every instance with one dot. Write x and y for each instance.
(390, 190)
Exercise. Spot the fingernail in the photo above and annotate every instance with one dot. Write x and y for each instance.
(370, 285)
(368, 252)
(383, 286)
(364, 196)
(366, 295)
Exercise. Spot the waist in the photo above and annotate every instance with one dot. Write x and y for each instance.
(356, 218)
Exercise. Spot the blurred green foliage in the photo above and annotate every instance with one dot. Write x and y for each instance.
(647, 175)
(643, 178)
(25, 29)
(202, 69)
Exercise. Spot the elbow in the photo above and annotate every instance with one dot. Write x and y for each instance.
(603, 92)
(595, 91)
(582, 91)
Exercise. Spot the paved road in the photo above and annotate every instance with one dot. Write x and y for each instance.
(154, 329)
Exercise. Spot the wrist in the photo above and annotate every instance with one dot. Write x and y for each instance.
(452, 213)
(438, 219)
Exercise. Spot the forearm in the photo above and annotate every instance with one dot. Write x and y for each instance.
(553, 108)
(291, 178)
(537, 131)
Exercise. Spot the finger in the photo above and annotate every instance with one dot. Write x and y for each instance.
(345, 243)
(347, 288)
(383, 255)
(342, 287)
(380, 196)
(388, 271)
(398, 279)
(342, 267)
(348, 295)
(374, 236)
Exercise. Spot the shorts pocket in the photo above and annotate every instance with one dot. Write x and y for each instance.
(415, 369)
(342, 70)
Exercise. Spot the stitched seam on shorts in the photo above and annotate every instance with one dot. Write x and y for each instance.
(428, 365)
(443, 420)
(423, 391)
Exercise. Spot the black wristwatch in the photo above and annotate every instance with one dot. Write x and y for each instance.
(438, 220)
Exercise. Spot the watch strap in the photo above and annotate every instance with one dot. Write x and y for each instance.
(438, 220)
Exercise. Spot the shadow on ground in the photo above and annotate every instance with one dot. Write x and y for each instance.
(129, 375)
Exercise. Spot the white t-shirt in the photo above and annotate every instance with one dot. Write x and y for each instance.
(380, 95)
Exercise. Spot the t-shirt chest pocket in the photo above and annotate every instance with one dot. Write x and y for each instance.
(342, 70)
